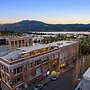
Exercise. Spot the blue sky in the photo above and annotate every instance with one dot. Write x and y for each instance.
(50, 11)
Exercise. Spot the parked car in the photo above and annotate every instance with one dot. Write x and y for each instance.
(38, 86)
(0, 88)
(54, 78)
(79, 79)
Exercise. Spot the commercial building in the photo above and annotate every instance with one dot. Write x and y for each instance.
(12, 43)
(16, 42)
(28, 65)
(3, 45)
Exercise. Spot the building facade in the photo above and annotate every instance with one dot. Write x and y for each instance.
(12, 43)
(29, 65)
(17, 42)
(3, 45)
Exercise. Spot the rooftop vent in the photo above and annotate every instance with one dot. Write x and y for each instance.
(11, 59)
(68, 42)
(59, 43)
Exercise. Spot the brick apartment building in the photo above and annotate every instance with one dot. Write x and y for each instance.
(27, 65)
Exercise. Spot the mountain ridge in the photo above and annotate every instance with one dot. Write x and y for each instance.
(39, 26)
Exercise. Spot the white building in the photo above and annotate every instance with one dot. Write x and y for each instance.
(85, 82)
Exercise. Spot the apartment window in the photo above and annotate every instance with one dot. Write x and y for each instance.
(37, 62)
(30, 65)
(56, 55)
(45, 59)
(30, 75)
(45, 68)
(2, 67)
(52, 56)
(12, 43)
(55, 63)
(9, 81)
(18, 80)
(19, 41)
(15, 43)
(14, 70)
(23, 41)
(29, 41)
(26, 43)
(17, 70)
(7, 70)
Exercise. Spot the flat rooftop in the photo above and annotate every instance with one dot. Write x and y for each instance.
(62, 43)
(33, 48)
(83, 85)
(15, 55)
(87, 74)
(14, 37)
(12, 55)
(85, 82)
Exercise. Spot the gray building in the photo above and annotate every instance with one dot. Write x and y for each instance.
(85, 82)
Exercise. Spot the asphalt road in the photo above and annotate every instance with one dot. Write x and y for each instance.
(64, 82)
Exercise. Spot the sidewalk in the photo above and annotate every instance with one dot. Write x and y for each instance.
(47, 79)
(68, 68)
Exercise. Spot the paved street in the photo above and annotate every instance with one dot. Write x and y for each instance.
(62, 83)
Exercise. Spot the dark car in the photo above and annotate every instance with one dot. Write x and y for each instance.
(38, 86)
(0, 88)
